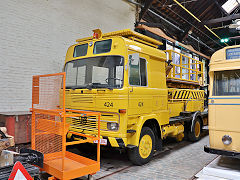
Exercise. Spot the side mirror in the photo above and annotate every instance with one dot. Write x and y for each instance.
(134, 59)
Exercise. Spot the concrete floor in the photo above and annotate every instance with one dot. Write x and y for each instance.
(221, 168)
(177, 161)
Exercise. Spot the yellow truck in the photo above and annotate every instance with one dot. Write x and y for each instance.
(144, 94)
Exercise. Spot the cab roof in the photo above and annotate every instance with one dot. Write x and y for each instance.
(127, 33)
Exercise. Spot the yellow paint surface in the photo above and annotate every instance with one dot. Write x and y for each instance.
(223, 114)
(142, 103)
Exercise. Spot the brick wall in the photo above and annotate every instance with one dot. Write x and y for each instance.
(35, 34)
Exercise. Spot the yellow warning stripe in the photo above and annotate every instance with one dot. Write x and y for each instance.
(117, 142)
(176, 94)
(186, 94)
(193, 95)
(180, 94)
(113, 142)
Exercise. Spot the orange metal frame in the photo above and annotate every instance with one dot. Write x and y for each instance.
(60, 164)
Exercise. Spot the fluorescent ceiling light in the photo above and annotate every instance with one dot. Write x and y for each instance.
(230, 5)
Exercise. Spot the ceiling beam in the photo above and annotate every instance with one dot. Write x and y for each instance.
(205, 11)
(184, 35)
(145, 8)
(188, 29)
(222, 19)
(189, 35)
(184, 14)
(165, 20)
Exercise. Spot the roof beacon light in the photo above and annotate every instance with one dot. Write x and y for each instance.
(97, 34)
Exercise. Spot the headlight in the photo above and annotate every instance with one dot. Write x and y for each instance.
(226, 139)
(112, 126)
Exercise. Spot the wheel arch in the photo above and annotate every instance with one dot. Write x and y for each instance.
(196, 115)
(146, 121)
(154, 125)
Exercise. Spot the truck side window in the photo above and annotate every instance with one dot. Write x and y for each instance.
(143, 72)
(137, 75)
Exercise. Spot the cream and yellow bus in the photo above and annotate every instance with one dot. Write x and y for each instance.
(224, 102)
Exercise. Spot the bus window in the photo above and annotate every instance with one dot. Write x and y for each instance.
(226, 83)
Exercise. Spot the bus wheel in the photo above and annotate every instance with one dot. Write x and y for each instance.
(143, 153)
(195, 132)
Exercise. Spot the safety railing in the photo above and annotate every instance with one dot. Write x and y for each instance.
(49, 126)
(185, 68)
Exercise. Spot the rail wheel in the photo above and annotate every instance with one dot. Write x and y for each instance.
(195, 132)
(143, 153)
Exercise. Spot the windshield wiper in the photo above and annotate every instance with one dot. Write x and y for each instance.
(70, 87)
(75, 87)
(110, 88)
(90, 86)
(98, 85)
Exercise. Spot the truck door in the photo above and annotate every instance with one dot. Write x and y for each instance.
(140, 97)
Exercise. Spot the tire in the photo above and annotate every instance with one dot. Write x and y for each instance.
(144, 152)
(194, 135)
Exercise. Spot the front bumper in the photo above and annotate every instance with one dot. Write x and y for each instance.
(222, 152)
(112, 141)
(117, 142)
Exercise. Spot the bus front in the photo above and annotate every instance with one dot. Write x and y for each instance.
(224, 102)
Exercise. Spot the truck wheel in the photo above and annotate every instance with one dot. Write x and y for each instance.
(194, 135)
(143, 153)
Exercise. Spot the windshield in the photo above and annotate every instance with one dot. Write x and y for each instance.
(95, 72)
(226, 83)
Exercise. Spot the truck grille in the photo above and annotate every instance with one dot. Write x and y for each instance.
(90, 123)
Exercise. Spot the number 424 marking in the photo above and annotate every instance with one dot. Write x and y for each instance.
(108, 104)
